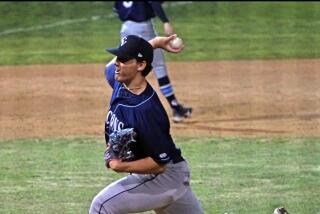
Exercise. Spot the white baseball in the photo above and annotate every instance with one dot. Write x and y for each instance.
(176, 43)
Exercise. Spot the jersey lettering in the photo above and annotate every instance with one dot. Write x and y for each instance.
(113, 122)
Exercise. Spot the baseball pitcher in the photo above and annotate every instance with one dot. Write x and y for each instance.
(137, 133)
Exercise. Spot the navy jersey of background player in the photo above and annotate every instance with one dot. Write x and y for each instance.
(139, 11)
(146, 115)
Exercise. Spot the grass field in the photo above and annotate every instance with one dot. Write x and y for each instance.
(79, 32)
(229, 175)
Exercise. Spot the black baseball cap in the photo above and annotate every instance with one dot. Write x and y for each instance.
(133, 47)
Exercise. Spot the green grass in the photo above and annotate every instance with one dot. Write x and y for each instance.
(229, 175)
(211, 31)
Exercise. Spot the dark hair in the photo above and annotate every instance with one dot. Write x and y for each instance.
(147, 69)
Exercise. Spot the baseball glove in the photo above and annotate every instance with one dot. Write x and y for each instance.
(120, 145)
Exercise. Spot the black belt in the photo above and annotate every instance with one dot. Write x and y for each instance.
(177, 159)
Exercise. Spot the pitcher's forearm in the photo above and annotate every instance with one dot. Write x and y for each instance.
(142, 166)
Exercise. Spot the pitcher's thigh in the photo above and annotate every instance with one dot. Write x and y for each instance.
(187, 204)
(126, 196)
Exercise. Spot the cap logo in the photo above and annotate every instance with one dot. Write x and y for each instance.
(123, 41)
(139, 55)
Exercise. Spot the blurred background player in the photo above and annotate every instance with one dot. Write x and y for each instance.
(136, 17)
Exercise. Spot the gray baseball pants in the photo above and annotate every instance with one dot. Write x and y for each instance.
(166, 193)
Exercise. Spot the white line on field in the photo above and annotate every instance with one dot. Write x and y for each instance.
(72, 21)
(55, 24)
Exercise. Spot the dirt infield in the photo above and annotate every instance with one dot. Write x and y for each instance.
(230, 98)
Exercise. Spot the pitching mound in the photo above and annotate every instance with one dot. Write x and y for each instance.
(229, 98)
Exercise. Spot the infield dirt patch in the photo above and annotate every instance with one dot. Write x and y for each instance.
(230, 98)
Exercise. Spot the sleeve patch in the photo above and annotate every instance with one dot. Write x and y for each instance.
(164, 156)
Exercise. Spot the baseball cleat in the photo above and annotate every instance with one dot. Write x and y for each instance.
(280, 210)
(180, 113)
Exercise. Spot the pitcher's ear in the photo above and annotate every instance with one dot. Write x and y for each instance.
(141, 65)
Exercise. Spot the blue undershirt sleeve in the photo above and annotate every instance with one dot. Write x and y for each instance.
(109, 72)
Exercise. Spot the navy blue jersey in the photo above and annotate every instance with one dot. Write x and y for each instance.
(144, 113)
(139, 11)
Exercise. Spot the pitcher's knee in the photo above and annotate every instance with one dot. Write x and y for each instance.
(100, 207)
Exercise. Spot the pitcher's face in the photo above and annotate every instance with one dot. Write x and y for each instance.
(126, 70)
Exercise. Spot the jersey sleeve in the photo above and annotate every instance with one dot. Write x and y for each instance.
(154, 136)
(109, 72)
(158, 10)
